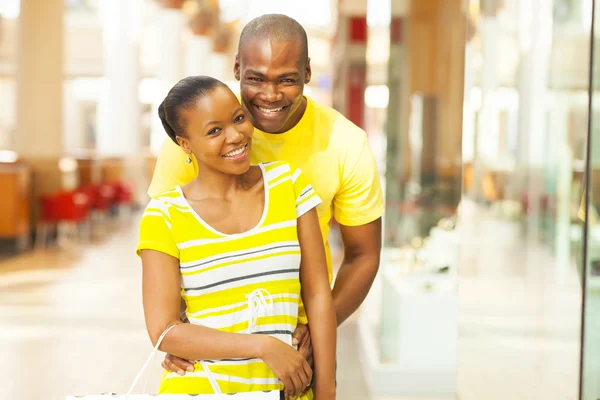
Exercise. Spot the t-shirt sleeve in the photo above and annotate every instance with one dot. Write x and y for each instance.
(306, 197)
(155, 230)
(171, 170)
(359, 199)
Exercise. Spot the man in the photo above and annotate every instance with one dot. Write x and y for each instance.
(272, 66)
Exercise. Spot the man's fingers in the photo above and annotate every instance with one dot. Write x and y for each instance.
(299, 334)
(170, 366)
(311, 361)
(183, 364)
(177, 365)
(305, 348)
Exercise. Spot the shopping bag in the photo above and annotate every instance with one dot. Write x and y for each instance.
(218, 395)
(273, 395)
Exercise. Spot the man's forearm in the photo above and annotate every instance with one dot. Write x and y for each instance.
(352, 284)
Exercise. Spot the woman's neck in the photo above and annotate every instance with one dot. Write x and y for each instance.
(215, 184)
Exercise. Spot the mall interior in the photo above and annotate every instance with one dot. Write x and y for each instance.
(484, 119)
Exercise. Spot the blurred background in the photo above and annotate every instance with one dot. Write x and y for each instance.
(484, 118)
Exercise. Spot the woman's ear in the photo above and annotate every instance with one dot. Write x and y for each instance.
(184, 144)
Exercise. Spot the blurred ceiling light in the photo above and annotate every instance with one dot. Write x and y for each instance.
(302, 11)
(67, 164)
(7, 156)
(379, 13)
(377, 96)
(10, 8)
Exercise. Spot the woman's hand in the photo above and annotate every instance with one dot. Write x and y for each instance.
(289, 365)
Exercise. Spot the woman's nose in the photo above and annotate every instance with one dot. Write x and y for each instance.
(234, 135)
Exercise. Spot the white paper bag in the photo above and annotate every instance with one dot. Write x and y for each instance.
(273, 395)
(218, 395)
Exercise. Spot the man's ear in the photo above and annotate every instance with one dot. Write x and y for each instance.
(236, 67)
(307, 72)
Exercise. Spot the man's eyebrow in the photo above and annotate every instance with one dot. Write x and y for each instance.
(260, 74)
(288, 74)
(254, 72)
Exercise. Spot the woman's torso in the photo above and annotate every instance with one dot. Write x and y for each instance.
(244, 283)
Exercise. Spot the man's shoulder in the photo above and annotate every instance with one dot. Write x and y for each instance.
(167, 198)
(337, 125)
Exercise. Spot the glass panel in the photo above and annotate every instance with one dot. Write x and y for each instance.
(409, 335)
(524, 134)
(591, 324)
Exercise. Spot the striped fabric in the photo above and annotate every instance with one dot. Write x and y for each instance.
(245, 283)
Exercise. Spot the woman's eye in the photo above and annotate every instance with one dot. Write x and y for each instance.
(239, 118)
(213, 131)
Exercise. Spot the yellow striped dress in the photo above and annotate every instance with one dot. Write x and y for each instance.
(246, 283)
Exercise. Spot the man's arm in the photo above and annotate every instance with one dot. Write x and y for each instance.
(357, 207)
(362, 248)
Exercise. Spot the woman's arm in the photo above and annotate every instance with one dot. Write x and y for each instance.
(317, 298)
(161, 298)
(161, 292)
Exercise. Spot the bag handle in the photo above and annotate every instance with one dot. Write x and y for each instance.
(211, 378)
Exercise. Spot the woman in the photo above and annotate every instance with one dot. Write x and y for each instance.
(240, 244)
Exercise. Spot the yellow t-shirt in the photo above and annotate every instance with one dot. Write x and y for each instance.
(333, 153)
(246, 283)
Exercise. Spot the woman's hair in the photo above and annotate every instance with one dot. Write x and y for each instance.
(183, 96)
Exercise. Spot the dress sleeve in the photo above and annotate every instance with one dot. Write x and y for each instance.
(155, 230)
(306, 197)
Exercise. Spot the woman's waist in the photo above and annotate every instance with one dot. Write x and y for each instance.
(278, 318)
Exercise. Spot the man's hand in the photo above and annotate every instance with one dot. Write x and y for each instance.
(301, 338)
(177, 365)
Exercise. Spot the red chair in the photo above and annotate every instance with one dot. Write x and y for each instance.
(124, 194)
(124, 199)
(69, 209)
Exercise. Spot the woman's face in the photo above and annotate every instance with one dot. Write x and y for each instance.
(218, 132)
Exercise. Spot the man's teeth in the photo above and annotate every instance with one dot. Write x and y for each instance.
(271, 110)
(236, 152)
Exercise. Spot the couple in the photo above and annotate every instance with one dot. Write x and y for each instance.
(236, 229)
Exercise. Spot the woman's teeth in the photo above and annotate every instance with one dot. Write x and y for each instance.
(236, 152)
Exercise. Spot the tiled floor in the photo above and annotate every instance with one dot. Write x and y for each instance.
(520, 313)
(71, 322)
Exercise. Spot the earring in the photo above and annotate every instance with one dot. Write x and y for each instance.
(189, 159)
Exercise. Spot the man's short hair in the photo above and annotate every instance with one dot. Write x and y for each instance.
(277, 27)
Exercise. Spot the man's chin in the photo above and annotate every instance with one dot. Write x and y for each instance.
(269, 126)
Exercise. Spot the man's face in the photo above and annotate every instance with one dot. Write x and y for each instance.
(272, 75)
